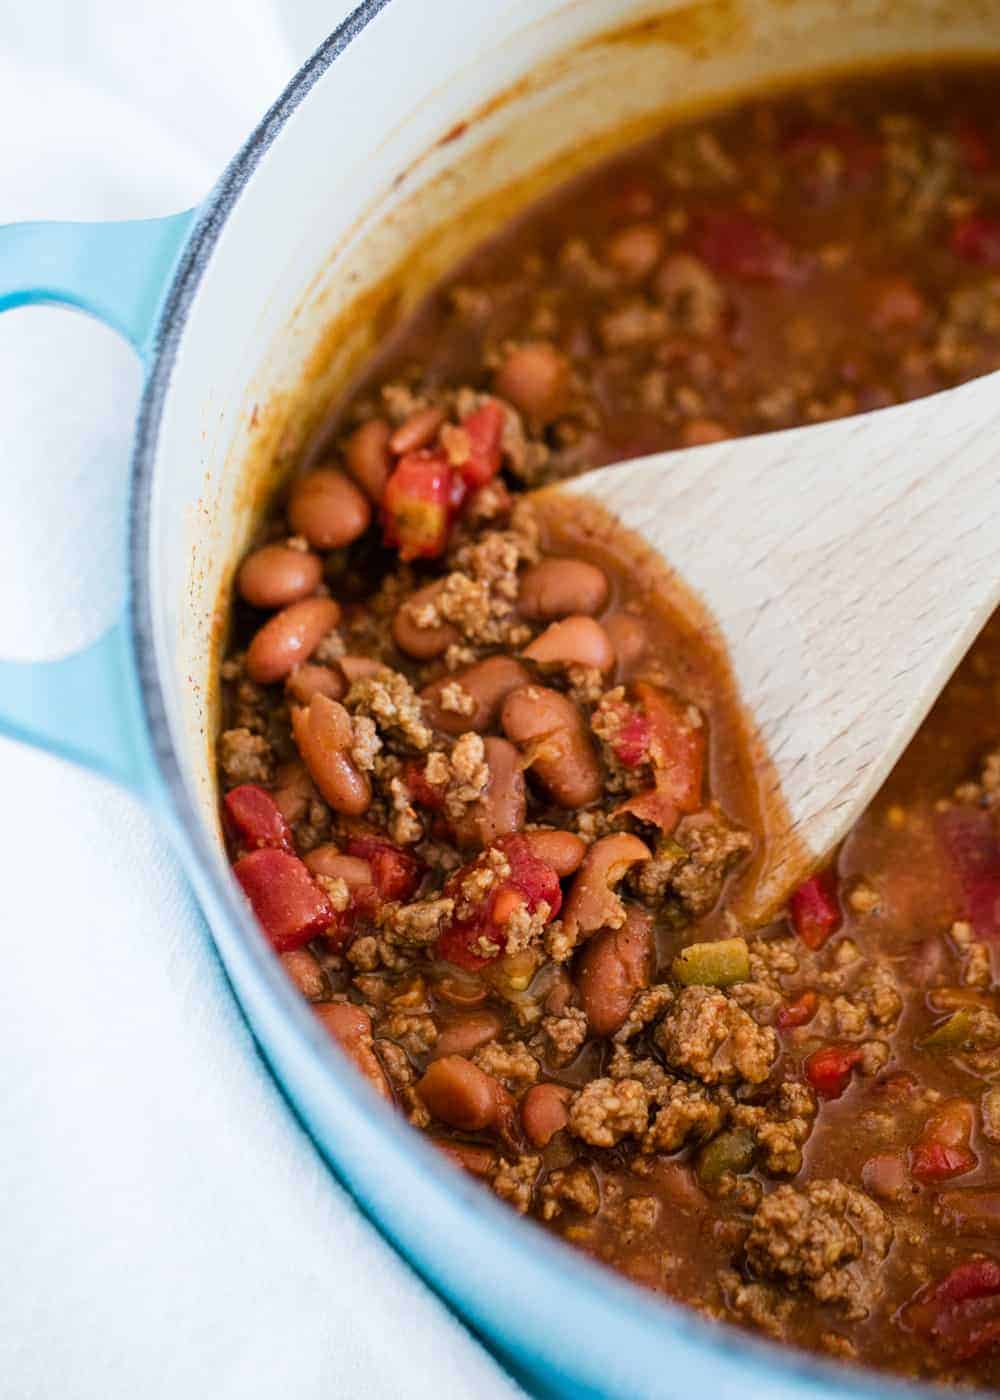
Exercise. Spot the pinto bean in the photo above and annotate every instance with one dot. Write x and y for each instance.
(358, 668)
(635, 251)
(368, 458)
(351, 1028)
(294, 790)
(289, 638)
(554, 588)
(417, 431)
(328, 860)
(535, 379)
(470, 1156)
(276, 575)
(465, 1034)
(306, 973)
(328, 508)
(489, 683)
(562, 754)
(544, 1112)
(460, 1094)
(563, 850)
(323, 734)
(560, 994)
(501, 809)
(307, 681)
(592, 903)
(422, 643)
(575, 641)
(628, 636)
(614, 965)
(465, 990)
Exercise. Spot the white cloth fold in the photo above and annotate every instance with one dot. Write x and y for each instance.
(166, 1228)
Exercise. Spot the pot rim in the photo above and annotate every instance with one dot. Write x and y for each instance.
(543, 1259)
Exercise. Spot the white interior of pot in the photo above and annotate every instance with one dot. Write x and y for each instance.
(355, 179)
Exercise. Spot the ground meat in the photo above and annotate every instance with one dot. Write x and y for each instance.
(872, 1003)
(706, 1034)
(514, 1182)
(713, 844)
(781, 1127)
(245, 757)
(572, 1186)
(467, 775)
(417, 924)
(828, 1238)
(394, 706)
(509, 1061)
(764, 1307)
(565, 1034)
(479, 595)
(687, 1111)
(404, 823)
(606, 1110)
(417, 1034)
(366, 744)
(646, 1007)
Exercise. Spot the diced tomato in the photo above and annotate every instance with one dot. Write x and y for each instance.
(632, 735)
(798, 1012)
(422, 792)
(932, 1161)
(961, 1312)
(736, 244)
(944, 1148)
(676, 749)
(971, 841)
(255, 819)
(417, 507)
(289, 904)
(814, 912)
(973, 149)
(829, 1070)
(395, 873)
(976, 239)
(530, 882)
(485, 431)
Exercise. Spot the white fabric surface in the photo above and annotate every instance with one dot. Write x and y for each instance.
(166, 1229)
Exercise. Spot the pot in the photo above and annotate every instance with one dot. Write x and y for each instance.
(366, 179)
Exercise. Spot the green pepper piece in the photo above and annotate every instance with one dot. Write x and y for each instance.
(729, 1152)
(713, 964)
(952, 1033)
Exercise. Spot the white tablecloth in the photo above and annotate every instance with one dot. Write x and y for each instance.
(166, 1229)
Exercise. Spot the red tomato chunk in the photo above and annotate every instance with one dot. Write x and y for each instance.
(798, 1012)
(814, 912)
(829, 1070)
(976, 238)
(255, 819)
(418, 504)
(395, 873)
(676, 749)
(736, 244)
(290, 906)
(961, 1313)
(484, 429)
(468, 939)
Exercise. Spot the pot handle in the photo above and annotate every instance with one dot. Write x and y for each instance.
(87, 707)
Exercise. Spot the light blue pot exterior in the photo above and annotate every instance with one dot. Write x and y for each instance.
(565, 1327)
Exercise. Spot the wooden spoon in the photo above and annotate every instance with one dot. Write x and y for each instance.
(849, 566)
